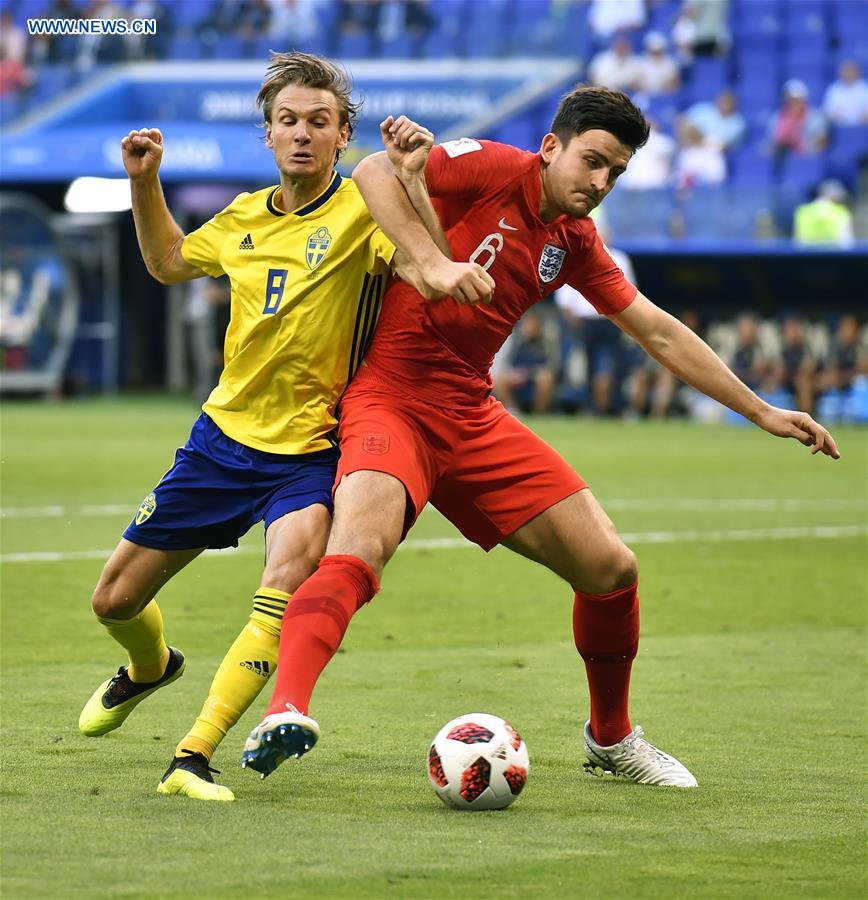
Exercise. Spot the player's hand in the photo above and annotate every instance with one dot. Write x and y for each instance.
(798, 425)
(142, 152)
(465, 282)
(407, 145)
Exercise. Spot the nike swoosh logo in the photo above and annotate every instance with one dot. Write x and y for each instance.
(502, 224)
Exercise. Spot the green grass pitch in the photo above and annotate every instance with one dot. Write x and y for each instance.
(751, 670)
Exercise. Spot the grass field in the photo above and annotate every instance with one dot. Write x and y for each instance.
(751, 670)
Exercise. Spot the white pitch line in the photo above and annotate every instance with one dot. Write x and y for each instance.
(682, 504)
(458, 543)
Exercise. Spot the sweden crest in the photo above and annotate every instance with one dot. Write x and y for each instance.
(146, 510)
(317, 246)
(550, 263)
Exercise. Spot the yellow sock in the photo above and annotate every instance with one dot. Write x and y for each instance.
(244, 672)
(142, 638)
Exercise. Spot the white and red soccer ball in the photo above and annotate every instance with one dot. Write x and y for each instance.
(478, 761)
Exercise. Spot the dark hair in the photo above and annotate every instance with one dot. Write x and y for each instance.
(307, 70)
(585, 108)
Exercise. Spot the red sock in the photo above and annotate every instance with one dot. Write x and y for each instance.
(606, 629)
(314, 625)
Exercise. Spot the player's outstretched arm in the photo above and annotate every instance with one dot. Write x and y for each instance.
(160, 237)
(686, 355)
(423, 257)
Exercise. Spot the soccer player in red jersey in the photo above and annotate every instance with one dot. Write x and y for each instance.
(418, 423)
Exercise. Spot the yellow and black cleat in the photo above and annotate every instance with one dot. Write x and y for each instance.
(116, 698)
(190, 776)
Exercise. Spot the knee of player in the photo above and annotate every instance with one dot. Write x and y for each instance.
(615, 569)
(110, 601)
(288, 575)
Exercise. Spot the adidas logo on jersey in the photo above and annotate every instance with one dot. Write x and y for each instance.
(260, 667)
(246, 244)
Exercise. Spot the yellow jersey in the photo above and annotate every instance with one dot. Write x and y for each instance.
(307, 287)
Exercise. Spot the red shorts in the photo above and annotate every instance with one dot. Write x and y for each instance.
(480, 467)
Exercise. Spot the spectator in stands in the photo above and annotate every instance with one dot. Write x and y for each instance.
(701, 29)
(651, 166)
(151, 46)
(752, 361)
(826, 220)
(594, 351)
(359, 16)
(13, 40)
(54, 48)
(412, 17)
(293, 21)
(699, 162)
(797, 127)
(14, 75)
(203, 296)
(720, 123)
(658, 71)
(617, 68)
(606, 18)
(221, 21)
(846, 100)
(652, 387)
(529, 370)
(848, 357)
(253, 20)
(796, 369)
(108, 48)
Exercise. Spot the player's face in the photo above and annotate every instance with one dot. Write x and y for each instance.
(577, 176)
(305, 132)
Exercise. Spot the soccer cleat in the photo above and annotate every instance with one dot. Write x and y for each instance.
(276, 738)
(636, 759)
(190, 776)
(116, 698)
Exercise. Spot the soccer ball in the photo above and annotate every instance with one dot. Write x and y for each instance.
(478, 761)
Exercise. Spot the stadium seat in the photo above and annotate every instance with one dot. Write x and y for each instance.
(807, 18)
(705, 80)
(703, 210)
(750, 168)
(403, 46)
(639, 214)
(440, 42)
(742, 209)
(355, 46)
(802, 172)
(849, 17)
(851, 139)
(185, 47)
(228, 46)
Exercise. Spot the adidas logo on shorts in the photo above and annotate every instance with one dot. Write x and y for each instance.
(247, 243)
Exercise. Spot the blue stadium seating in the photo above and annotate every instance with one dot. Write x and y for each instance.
(639, 214)
(773, 40)
(750, 168)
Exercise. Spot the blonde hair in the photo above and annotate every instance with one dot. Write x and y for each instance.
(307, 70)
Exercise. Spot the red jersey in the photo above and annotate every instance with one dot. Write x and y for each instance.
(487, 197)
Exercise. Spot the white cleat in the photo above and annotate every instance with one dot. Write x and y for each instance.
(636, 759)
(277, 738)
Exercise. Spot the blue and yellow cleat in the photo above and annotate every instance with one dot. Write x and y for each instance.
(276, 738)
(190, 776)
(115, 699)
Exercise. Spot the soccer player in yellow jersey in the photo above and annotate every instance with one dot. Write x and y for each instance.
(308, 267)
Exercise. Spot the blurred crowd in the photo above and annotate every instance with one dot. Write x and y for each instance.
(562, 358)
(765, 98)
(565, 357)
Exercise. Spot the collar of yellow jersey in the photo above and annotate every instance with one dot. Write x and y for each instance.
(314, 205)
